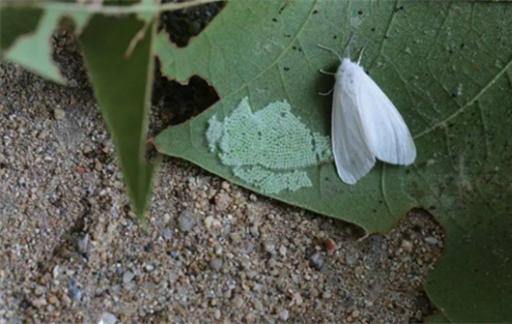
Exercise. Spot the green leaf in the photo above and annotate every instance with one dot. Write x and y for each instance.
(122, 75)
(445, 65)
(26, 37)
(15, 22)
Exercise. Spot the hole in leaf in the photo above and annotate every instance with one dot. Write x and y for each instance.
(181, 25)
(176, 103)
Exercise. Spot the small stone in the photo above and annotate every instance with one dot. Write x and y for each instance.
(166, 218)
(355, 313)
(74, 291)
(167, 234)
(284, 315)
(84, 245)
(39, 302)
(217, 314)
(149, 267)
(39, 290)
(297, 299)
(326, 295)
(330, 246)
(225, 185)
(208, 221)
(317, 261)
(59, 113)
(238, 302)
(128, 276)
(431, 240)
(55, 271)
(351, 259)
(254, 231)
(406, 246)
(269, 247)
(222, 201)
(52, 299)
(282, 250)
(250, 318)
(258, 305)
(186, 221)
(216, 264)
(107, 318)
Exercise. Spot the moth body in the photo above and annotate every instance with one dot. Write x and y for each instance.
(365, 125)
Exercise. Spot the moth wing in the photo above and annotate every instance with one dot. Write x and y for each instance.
(387, 135)
(352, 156)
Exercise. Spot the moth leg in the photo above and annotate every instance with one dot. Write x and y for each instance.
(326, 93)
(364, 237)
(327, 72)
(360, 55)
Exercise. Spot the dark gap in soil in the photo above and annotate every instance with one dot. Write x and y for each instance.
(182, 25)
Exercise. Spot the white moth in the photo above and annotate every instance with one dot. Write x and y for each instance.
(365, 125)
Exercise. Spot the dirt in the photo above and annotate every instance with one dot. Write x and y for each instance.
(71, 251)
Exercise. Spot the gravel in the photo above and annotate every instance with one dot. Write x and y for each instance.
(71, 250)
(186, 221)
(317, 261)
(107, 318)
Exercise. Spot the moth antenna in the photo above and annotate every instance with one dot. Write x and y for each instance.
(330, 50)
(348, 44)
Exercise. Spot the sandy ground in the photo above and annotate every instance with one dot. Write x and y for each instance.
(70, 250)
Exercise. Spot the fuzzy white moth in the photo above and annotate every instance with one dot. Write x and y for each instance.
(365, 125)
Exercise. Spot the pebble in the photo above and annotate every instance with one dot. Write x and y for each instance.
(297, 299)
(330, 246)
(226, 186)
(222, 201)
(84, 245)
(238, 302)
(74, 291)
(208, 221)
(284, 315)
(39, 302)
(270, 247)
(107, 318)
(128, 276)
(167, 234)
(317, 261)
(250, 318)
(52, 299)
(431, 240)
(59, 113)
(282, 250)
(186, 221)
(216, 264)
(406, 246)
(56, 271)
(350, 258)
(255, 231)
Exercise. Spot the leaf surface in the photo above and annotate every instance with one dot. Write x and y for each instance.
(25, 37)
(447, 68)
(121, 76)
